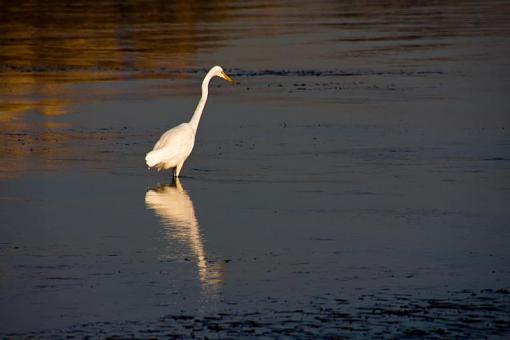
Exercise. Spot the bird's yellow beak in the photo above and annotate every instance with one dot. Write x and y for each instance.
(226, 77)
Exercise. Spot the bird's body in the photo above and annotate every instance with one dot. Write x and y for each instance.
(175, 145)
(172, 149)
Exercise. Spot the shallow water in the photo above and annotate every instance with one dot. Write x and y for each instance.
(353, 180)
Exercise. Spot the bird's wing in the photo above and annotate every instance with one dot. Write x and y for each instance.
(175, 137)
(173, 147)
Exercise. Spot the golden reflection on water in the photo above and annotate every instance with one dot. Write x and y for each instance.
(45, 45)
(49, 48)
(175, 209)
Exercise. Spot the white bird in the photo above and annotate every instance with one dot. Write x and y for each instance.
(175, 145)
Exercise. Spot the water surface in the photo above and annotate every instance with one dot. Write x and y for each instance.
(354, 179)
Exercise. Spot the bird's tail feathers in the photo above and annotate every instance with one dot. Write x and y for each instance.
(153, 158)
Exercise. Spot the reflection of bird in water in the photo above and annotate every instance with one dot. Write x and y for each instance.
(175, 145)
(175, 208)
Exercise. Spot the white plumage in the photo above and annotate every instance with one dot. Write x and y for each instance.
(174, 146)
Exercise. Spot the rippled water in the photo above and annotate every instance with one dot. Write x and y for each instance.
(358, 169)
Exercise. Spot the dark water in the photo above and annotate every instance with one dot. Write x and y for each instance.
(354, 182)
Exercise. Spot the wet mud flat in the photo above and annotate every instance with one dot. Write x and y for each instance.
(319, 200)
(353, 194)
(466, 313)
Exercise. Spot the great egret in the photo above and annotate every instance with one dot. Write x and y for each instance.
(175, 145)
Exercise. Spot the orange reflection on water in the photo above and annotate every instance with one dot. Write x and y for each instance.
(175, 209)
(47, 47)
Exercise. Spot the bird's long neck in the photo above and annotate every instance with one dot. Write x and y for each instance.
(195, 119)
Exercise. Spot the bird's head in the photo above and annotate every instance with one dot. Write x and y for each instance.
(218, 72)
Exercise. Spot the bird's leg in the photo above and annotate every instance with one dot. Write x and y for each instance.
(177, 169)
